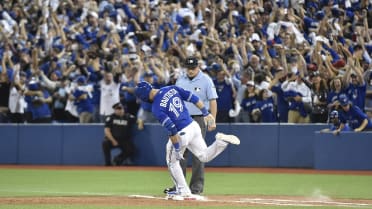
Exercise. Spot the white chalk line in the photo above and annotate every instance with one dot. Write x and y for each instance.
(276, 202)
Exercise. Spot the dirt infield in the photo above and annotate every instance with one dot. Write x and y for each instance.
(222, 200)
(210, 201)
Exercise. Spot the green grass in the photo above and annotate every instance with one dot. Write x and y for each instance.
(336, 186)
(29, 182)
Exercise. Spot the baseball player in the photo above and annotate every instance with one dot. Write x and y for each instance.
(168, 106)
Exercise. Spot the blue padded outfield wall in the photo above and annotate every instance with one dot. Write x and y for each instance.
(262, 145)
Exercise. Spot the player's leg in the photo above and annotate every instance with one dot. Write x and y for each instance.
(199, 148)
(175, 168)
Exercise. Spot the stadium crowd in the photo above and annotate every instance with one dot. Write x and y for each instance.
(270, 60)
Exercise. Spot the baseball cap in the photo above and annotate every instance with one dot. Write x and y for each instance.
(255, 37)
(81, 79)
(117, 105)
(343, 99)
(33, 85)
(333, 114)
(191, 62)
(250, 83)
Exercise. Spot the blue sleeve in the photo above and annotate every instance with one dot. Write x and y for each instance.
(368, 48)
(46, 94)
(77, 93)
(187, 95)
(359, 113)
(128, 12)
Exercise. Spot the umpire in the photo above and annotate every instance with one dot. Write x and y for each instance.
(118, 134)
(201, 85)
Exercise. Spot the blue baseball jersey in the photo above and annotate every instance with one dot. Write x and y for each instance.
(38, 109)
(249, 103)
(225, 95)
(267, 110)
(169, 108)
(354, 117)
(84, 105)
(282, 103)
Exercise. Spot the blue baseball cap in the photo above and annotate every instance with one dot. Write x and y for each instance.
(81, 79)
(343, 99)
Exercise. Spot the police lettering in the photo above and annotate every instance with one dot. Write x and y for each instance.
(167, 96)
(120, 122)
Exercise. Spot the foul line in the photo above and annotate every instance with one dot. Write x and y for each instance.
(276, 202)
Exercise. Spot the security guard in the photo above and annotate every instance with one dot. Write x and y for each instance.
(118, 134)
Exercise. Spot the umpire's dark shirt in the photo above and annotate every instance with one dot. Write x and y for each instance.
(121, 127)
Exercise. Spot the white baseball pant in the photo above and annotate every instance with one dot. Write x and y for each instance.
(192, 139)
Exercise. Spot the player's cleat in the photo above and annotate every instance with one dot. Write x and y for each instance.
(228, 138)
(180, 197)
(169, 189)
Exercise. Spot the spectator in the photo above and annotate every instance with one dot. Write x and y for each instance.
(127, 88)
(249, 101)
(368, 100)
(118, 134)
(335, 124)
(109, 94)
(226, 94)
(82, 99)
(353, 115)
(4, 89)
(299, 98)
(60, 97)
(38, 100)
(319, 93)
(265, 107)
(281, 103)
(355, 87)
(337, 88)
(250, 34)
(17, 102)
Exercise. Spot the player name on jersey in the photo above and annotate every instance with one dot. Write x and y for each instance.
(167, 96)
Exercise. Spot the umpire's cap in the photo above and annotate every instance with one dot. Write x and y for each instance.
(191, 62)
(117, 106)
